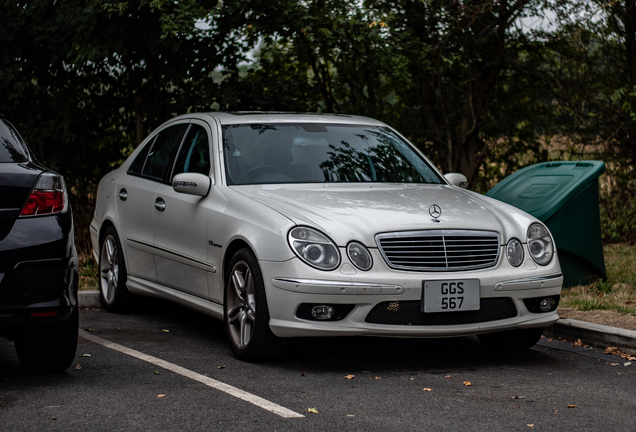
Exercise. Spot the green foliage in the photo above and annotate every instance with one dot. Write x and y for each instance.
(465, 81)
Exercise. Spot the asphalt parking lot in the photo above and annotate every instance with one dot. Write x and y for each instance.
(167, 368)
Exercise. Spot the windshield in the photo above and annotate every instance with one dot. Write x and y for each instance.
(319, 153)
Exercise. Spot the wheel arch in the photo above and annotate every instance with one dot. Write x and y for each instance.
(232, 248)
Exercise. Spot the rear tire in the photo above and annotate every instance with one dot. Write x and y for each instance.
(245, 311)
(113, 294)
(49, 347)
(512, 340)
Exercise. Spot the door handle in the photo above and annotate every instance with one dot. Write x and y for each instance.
(160, 204)
(123, 194)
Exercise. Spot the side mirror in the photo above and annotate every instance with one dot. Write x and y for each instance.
(192, 184)
(457, 179)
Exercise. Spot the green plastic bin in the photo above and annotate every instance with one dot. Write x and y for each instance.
(564, 196)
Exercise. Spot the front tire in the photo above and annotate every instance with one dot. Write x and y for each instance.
(245, 311)
(512, 340)
(113, 294)
(49, 347)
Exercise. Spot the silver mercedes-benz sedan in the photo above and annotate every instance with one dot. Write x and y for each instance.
(297, 225)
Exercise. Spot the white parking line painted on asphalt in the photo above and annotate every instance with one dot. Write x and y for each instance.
(226, 388)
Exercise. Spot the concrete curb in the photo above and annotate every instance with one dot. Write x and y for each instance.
(88, 299)
(597, 335)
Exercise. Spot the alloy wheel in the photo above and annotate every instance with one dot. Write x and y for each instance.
(109, 269)
(241, 305)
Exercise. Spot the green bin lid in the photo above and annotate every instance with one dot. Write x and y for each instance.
(544, 188)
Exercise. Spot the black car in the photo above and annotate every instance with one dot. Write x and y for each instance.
(38, 259)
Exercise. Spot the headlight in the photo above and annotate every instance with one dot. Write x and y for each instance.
(514, 251)
(359, 256)
(315, 248)
(540, 244)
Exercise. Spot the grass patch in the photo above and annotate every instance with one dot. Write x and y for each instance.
(617, 293)
(87, 272)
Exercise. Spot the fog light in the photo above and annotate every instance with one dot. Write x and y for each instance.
(322, 312)
(547, 304)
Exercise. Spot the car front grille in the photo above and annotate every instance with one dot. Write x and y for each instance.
(409, 313)
(439, 250)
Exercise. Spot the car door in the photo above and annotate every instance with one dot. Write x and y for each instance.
(181, 245)
(136, 205)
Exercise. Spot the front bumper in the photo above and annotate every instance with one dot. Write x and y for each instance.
(364, 298)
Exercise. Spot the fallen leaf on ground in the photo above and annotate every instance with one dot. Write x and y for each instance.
(610, 350)
(79, 366)
(447, 376)
(85, 355)
(302, 374)
(156, 372)
(161, 395)
(381, 377)
(530, 425)
(614, 364)
(571, 406)
(427, 389)
(167, 331)
(630, 358)
(467, 383)
(579, 343)
(627, 363)
(348, 376)
(350, 415)
(312, 410)
(221, 367)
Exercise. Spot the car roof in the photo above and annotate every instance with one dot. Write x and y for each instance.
(246, 117)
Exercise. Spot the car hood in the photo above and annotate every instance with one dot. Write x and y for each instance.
(348, 212)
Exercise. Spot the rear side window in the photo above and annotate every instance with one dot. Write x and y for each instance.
(138, 164)
(194, 156)
(12, 148)
(159, 156)
(153, 160)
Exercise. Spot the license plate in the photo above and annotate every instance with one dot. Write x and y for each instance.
(450, 295)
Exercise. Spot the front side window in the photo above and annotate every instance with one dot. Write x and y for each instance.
(318, 153)
(194, 155)
(11, 145)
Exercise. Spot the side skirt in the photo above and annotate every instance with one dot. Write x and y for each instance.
(151, 289)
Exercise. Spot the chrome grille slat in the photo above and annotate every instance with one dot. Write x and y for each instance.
(439, 250)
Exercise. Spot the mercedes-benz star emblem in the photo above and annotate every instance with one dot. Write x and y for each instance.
(435, 211)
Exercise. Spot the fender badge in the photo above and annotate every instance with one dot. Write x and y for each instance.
(435, 211)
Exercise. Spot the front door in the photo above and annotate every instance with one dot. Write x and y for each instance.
(181, 245)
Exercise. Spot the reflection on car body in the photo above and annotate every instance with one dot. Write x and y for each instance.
(318, 225)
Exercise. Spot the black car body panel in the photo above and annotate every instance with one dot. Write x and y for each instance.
(38, 260)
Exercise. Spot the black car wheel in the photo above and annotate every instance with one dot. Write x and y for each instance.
(246, 316)
(48, 347)
(113, 293)
(511, 340)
